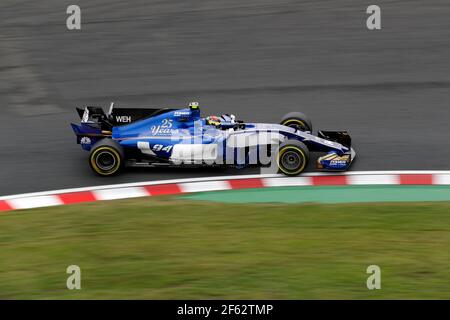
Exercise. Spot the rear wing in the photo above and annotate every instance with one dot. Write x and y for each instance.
(96, 116)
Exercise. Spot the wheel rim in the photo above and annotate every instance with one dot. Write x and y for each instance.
(105, 161)
(291, 160)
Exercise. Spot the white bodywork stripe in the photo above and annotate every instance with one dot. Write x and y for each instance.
(194, 152)
(145, 148)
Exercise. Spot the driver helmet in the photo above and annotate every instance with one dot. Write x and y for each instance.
(213, 120)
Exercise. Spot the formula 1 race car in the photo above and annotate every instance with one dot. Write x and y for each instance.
(174, 137)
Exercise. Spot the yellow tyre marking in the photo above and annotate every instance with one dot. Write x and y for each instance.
(286, 123)
(282, 151)
(94, 164)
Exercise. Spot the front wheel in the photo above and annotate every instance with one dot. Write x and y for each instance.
(292, 158)
(298, 121)
(106, 157)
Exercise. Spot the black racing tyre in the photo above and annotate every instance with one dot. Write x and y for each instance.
(292, 157)
(106, 157)
(297, 120)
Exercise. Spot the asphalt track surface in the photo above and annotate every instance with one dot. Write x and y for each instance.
(258, 59)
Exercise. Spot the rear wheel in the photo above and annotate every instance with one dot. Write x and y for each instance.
(292, 158)
(298, 121)
(106, 157)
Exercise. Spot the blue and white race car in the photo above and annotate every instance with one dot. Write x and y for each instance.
(182, 137)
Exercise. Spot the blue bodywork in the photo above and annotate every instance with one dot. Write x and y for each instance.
(166, 137)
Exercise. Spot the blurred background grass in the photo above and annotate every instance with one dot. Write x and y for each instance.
(166, 248)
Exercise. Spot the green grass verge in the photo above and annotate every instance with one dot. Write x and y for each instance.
(164, 248)
(328, 194)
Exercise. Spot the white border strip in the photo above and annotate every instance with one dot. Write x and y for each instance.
(188, 185)
(217, 178)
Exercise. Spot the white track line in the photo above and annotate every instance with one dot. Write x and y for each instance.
(35, 202)
(287, 181)
(441, 179)
(120, 193)
(204, 186)
(367, 179)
